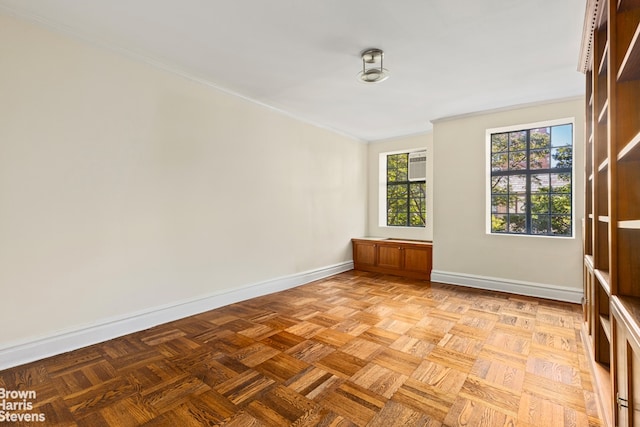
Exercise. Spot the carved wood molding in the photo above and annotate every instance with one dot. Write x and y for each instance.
(593, 14)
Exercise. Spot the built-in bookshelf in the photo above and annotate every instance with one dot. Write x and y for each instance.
(610, 59)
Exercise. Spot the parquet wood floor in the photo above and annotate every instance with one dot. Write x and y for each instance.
(356, 349)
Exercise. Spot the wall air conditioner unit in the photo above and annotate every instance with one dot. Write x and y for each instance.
(418, 166)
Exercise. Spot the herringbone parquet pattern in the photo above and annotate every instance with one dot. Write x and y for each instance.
(354, 349)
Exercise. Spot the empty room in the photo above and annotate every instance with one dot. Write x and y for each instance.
(340, 213)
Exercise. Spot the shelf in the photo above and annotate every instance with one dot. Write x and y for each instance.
(603, 113)
(624, 5)
(629, 225)
(603, 279)
(628, 309)
(588, 259)
(630, 67)
(606, 326)
(603, 166)
(603, 218)
(602, 67)
(590, 216)
(631, 151)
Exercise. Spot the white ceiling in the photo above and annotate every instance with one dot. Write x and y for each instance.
(301, 57)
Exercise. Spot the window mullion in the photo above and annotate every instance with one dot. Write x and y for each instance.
(408, 223)
(528, 183)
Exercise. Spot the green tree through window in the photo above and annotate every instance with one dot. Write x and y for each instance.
(406, 201)
(531, 181)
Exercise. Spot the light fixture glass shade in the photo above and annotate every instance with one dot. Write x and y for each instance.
(375, 73)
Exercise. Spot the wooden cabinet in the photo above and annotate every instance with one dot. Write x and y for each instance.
(626, 364)
(364, 253)
(610, 58)
(409, 258)
(389, 256)
(418, 259)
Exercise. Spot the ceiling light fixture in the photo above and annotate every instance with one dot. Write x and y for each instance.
(374, 74)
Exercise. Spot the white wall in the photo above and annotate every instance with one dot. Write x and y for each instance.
(406, 144)
(124, 188)
(463, 252)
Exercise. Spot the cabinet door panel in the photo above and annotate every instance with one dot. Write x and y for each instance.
(621, 389)
(364, 253)
(389, 256)
(417, 259)
(634, 377)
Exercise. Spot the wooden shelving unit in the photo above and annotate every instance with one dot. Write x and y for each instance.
(610, 59)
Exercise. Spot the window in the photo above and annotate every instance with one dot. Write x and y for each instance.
(406, 200)
(531, 181)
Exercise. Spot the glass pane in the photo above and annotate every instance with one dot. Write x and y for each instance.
(397, 205)
(518, 184)
(499, 162)
(539, 159)
(539, 203)
(517, 223)
(499, 142)
(402, 218)
(540, 183)
(392, 167)
(499, 204)
(539, 224)
(499, 184)
(517, 203)
(561, 225)
(416, 220)
(517, 140)
(397, 191)
(561, 203)
(397, 213)
(397, 167)
(539, 138)
(561, 157)
(499, 223)
(417, 203)
(562, 135)
(397, 218)
(417, 189)
(561, 182)
(518, 160)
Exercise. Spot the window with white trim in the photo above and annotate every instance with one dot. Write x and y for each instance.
(405, 188)
(531, 180)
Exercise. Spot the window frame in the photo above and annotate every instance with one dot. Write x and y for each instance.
(383, 195)
(528, 173)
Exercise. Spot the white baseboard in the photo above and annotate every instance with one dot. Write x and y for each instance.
(15, 354)
(559, 293)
